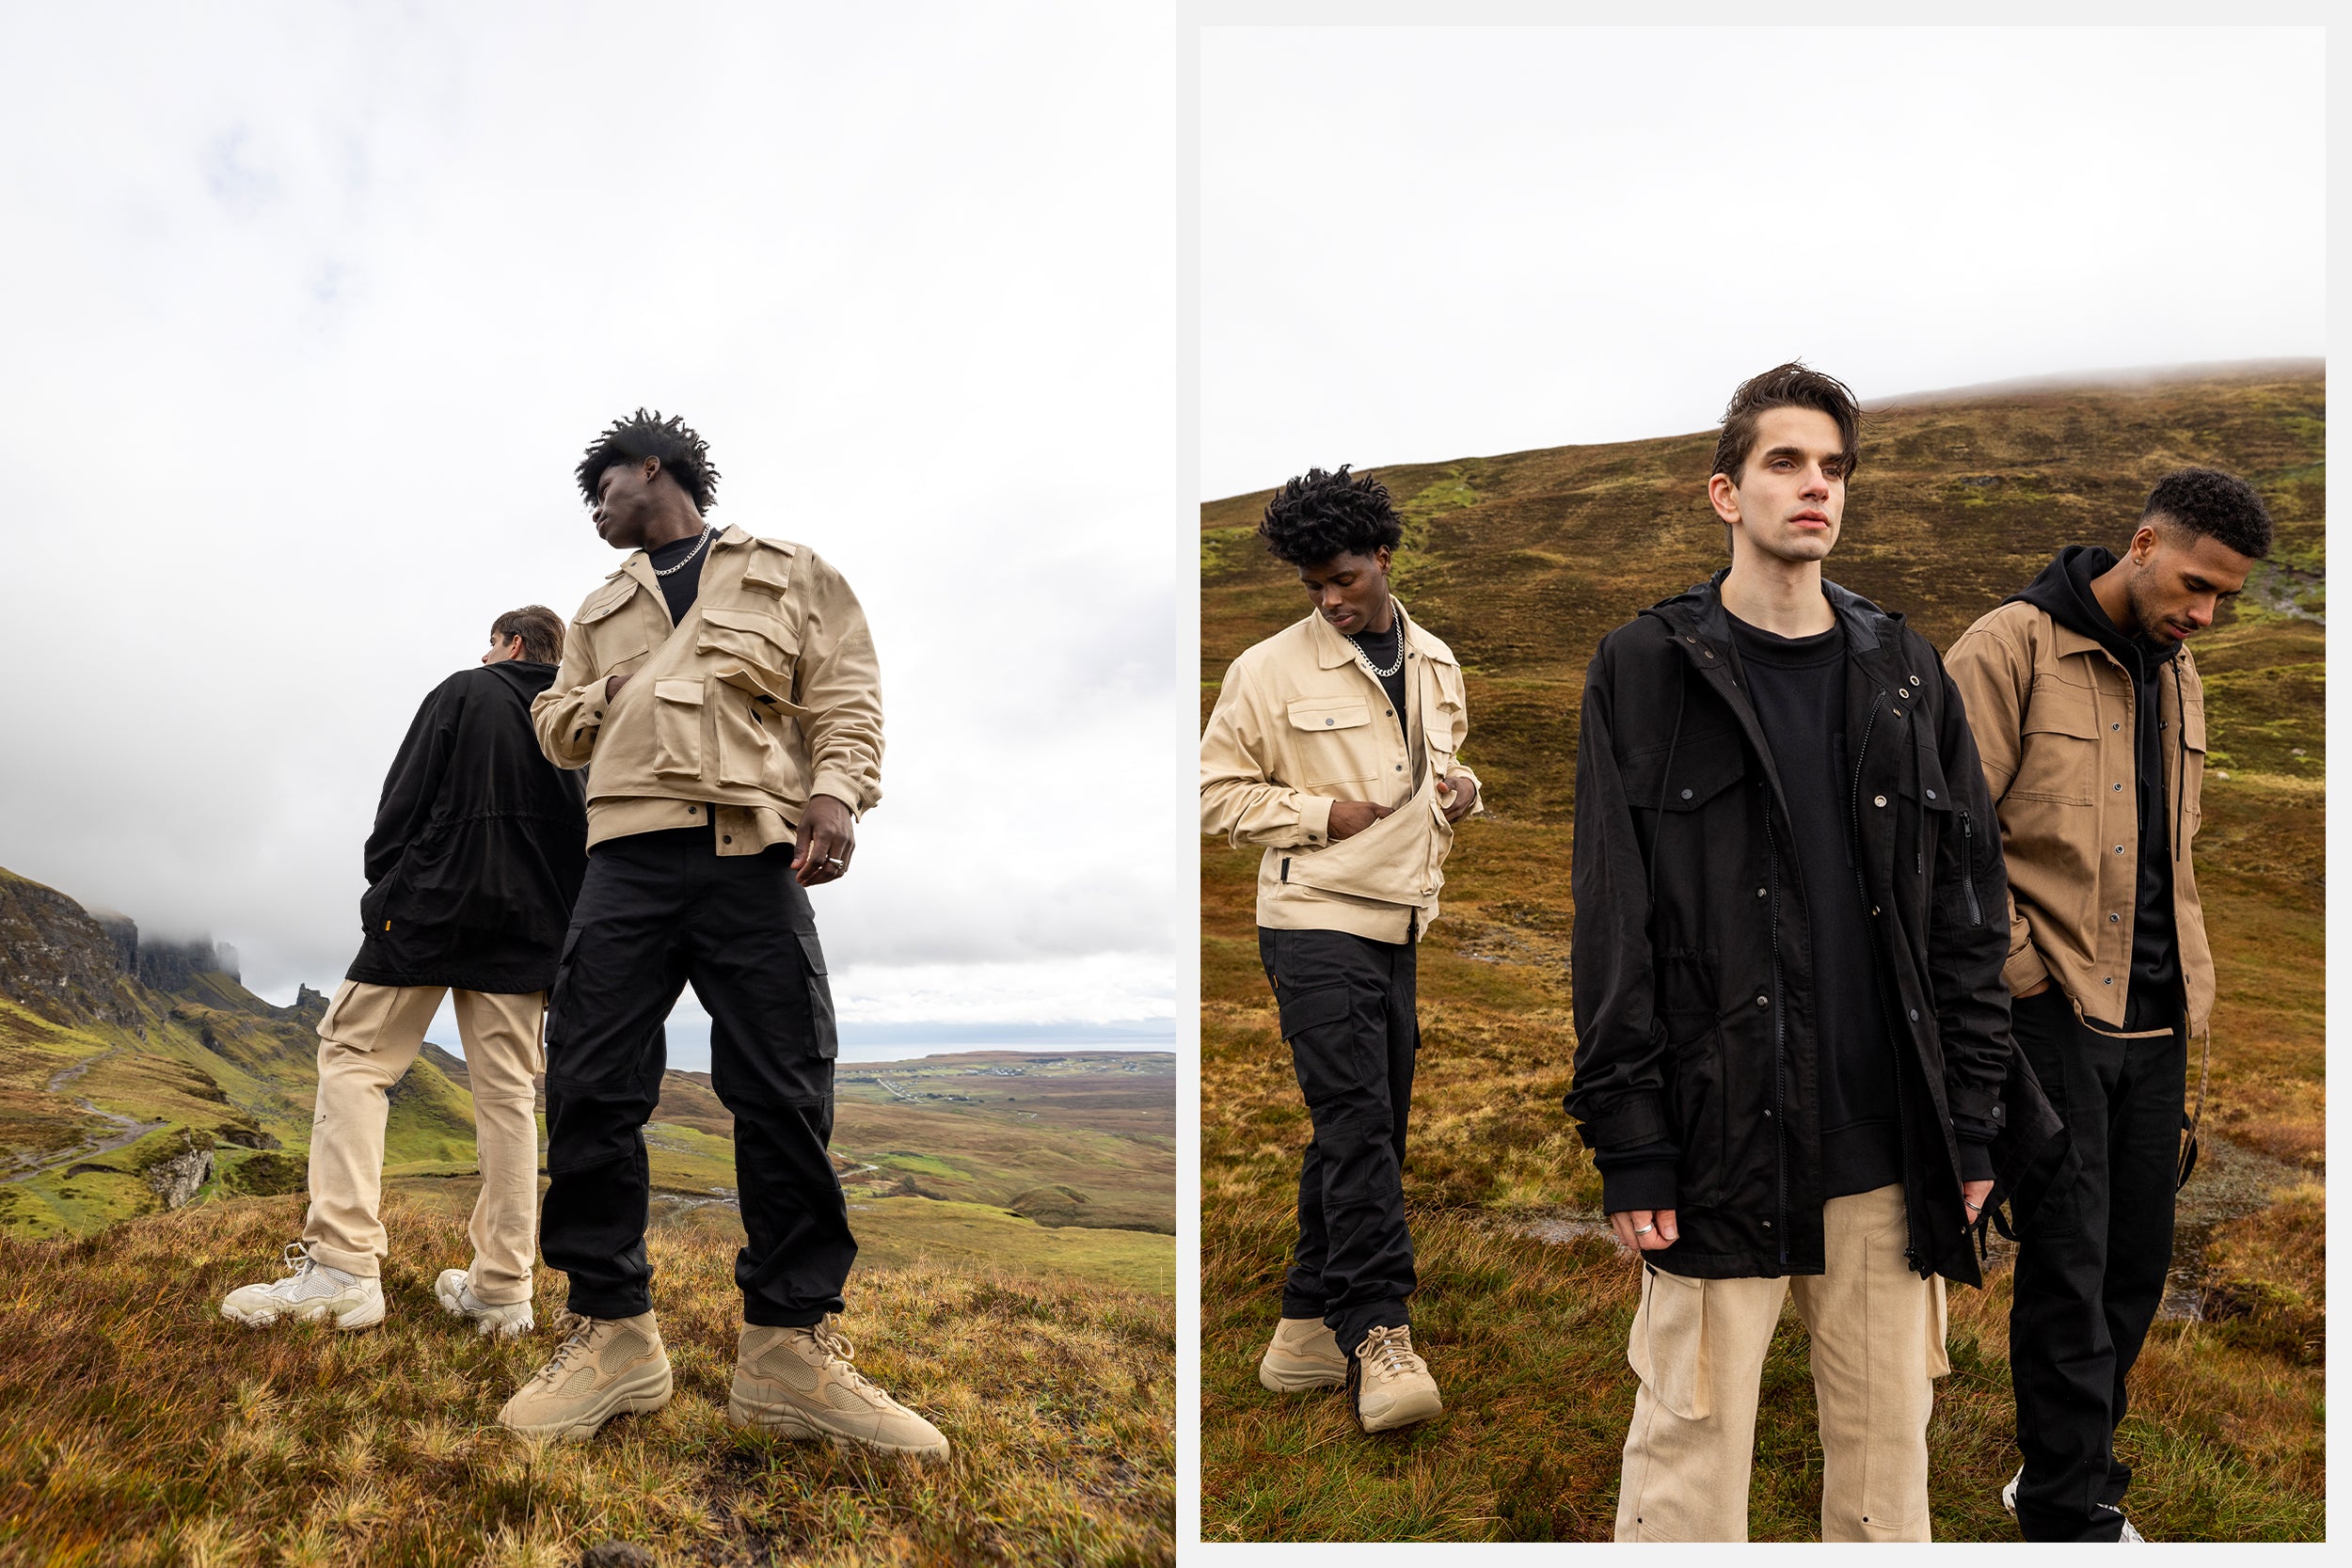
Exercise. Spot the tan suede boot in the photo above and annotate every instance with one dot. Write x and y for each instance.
(605, 1367)
(798, 1382)
(1393, 1387)
(1303, 1354)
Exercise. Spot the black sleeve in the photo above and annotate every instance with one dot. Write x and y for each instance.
(1968, 930)
(413, 786)
(1619, 1094)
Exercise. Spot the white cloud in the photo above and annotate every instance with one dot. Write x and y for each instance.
(1428, 242)
(314, 310)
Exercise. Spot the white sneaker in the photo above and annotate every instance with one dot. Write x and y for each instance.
(2008, 1493)
(310, 1289)
(2131, 1535)
(454, 1291)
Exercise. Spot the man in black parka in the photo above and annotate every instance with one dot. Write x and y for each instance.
(1792, 1034)
(479, 847)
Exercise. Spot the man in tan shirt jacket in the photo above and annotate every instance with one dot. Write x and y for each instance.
(1333, 745)
(721, 690)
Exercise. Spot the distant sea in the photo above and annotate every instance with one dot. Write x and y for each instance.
(689, 1041)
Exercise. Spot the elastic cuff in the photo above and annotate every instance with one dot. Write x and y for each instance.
(1649, 1185)
(1976, 1162)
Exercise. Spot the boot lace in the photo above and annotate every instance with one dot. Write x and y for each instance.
(1389, 1352)
(838, 1351)
(577, 1331)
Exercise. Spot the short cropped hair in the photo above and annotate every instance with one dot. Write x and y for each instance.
(541, 629)
(1789, 385)
(1315, 519)
(2217, 505)
(684, 456)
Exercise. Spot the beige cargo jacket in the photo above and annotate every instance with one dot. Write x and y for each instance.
(2053, 713)
(765, 694)
(1301, 722)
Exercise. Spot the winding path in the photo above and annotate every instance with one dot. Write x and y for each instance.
(133, 1129)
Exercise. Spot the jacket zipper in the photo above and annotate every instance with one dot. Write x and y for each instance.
(1780, 1037)
(1968, 867)
(1889, 1006)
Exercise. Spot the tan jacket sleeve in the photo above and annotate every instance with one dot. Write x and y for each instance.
(1461, 734)
(838, 683)
(1240, 802)
(1994, 678)
(569, 712)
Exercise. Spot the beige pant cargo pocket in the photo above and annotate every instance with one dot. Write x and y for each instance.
(677, 728)
(1939, 1325)
(355, 1019)
(1668, 1348)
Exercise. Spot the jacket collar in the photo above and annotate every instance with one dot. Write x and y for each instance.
(639, 566)
(1333, 650)
(1698, 610)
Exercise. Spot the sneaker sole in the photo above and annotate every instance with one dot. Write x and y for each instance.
(504, 1328)
(1277, 1380)
(642, 1401)
(366, 1315)
(785, 1421)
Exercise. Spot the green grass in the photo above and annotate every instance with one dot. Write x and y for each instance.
(1551, 549)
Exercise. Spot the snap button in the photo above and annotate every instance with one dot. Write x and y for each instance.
(1931, 794)
(2108, 981)
(1330, 722)
(2116, 726)
(1914, 1015)
(2118, 788)
(1763, 1000)
(1878, 799)
(2113, 918)
(1686, 795)
(1759, 893)
(2118, 848)
(726, 838)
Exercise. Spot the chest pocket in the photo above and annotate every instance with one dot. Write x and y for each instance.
(1700, 768)
(2058, 751)
(615, 638)
(1335, 742)
(757, 636)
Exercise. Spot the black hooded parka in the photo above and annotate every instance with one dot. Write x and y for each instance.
(1692, 963)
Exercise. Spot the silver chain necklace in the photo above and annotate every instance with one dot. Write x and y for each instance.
(690, 556)
(1396, 626)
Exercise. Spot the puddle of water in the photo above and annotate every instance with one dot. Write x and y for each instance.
(2231, 1181)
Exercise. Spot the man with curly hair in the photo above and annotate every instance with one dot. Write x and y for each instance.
(1333, 745)
(722, 693)
(2090, 720)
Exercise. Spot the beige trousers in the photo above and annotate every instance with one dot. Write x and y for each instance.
(1698, 1347)
(369, 1037)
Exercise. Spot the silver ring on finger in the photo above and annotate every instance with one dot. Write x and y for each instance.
(1644, 1229)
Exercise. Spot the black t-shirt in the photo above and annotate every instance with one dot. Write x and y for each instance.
(1380, 648)
(680, 588)
(1797, 687)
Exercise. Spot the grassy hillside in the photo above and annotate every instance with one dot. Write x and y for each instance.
(1522, 562)
(136, 1427)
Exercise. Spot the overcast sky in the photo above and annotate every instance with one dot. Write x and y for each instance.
(1419, 243)
(313, 309)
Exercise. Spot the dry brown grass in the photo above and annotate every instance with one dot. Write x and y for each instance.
(137, 1426)
(1522, 562)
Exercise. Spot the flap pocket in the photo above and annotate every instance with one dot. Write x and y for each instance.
(357, 1014)
(2054, 707)
(812, 951)
(679, 691)
(757, 635)
(2193, 726)
(1693, 774)
(769, 568)
(1311, 1009)
(1329, 713)
(1934, 794)
(605, 600)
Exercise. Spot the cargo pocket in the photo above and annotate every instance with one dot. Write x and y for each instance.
(1939, 1325)
(825, 1033)
(747, 737)
(677, 728)
(1316, 1022)
(756, 637)
(355, 1018)
(1668, 1348)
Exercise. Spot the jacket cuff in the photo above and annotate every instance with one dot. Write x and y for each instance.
(840, 789)
(1976, 1161)
(1644, 1184)
(2025, 970)
(1315, 819)
(1629, 1123)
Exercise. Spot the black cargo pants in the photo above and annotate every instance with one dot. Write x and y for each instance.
(659, 912)
(2090, 1266)
(1347, 1012)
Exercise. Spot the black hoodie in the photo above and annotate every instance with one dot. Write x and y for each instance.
(479, 843)
(2064, 590)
